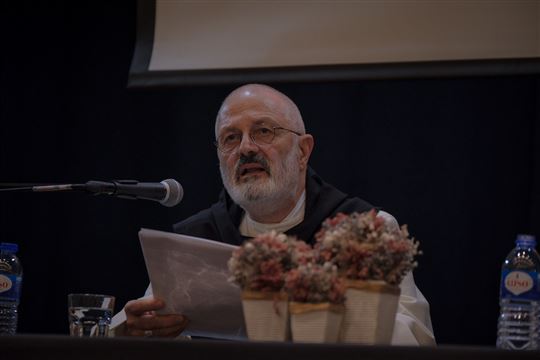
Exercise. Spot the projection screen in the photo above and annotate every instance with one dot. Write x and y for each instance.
(183, 42)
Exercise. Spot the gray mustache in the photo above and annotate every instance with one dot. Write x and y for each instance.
(252, 158)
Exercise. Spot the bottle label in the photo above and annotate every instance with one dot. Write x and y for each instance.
(10, 286)
(520, 285)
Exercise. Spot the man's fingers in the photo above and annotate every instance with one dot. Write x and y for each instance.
(142, 320)
(141, 306)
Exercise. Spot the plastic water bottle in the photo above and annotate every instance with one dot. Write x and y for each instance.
(519, 320)
(10, 287)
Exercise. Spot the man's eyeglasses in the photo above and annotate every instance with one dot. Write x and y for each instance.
(260, 135)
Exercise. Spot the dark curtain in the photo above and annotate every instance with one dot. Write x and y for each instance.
(455, 159)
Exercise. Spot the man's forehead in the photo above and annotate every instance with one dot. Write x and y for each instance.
(263, 99)
(247, 113)
(248, 121)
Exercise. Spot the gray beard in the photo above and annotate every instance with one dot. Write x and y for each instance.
(264, 195)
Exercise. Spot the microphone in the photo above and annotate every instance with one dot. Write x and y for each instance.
(169, 192)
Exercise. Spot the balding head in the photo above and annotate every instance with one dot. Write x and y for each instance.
(263, 151)
(274, 101)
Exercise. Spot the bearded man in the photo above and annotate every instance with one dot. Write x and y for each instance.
(263, 152)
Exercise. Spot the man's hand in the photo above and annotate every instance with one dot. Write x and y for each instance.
(142, 320)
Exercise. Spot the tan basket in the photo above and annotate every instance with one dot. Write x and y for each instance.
(266, 315)
(315, 323)
(370, 312)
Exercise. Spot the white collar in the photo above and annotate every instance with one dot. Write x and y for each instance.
(251, 228)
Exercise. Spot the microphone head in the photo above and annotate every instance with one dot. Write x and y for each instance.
(175, 193)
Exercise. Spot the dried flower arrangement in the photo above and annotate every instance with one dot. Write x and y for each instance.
(261, 263)
(364, 248)
(314, 283)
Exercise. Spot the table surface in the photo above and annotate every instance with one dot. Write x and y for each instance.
(65, 347)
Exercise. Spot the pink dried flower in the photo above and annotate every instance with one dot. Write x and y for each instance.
(313, 283)
(261, 263)
(364, 248)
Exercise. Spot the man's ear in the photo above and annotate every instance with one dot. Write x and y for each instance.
(305, 143)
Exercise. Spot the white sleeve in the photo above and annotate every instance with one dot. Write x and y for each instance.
(413, 321)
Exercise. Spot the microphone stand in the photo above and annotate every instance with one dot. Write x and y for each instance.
(168, 192)
(41, 188)
(114, 187)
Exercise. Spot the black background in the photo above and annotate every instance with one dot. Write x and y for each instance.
(455, 159)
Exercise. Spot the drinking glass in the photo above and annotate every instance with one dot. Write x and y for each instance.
(90, 314)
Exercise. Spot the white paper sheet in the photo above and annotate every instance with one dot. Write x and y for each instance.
(190, 274)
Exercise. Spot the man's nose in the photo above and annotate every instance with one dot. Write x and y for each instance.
(247, 145)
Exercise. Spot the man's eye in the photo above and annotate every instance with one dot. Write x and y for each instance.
(263, 131)
(231, 138)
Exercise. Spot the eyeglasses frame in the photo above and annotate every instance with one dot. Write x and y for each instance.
(274, 128)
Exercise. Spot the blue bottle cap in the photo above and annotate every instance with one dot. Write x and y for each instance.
(525, 240)
(10, 247)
